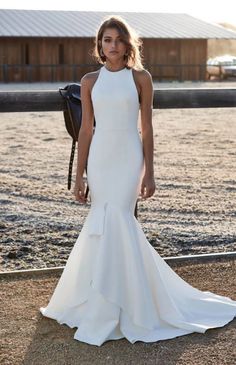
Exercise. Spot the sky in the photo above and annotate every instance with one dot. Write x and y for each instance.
(209, 10)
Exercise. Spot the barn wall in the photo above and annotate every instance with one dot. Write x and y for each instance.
(162, 52)
(194, 51)
(77, 51)
(173, 52)
(45, 51)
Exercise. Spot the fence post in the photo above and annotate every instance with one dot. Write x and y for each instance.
(51, 68)
(5, 73)
(202, 75)
(74, 73)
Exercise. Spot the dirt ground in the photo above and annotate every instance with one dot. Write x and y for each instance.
(191, 212)
(28, 338)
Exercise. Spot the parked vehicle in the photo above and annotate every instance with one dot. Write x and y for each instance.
(221, 66)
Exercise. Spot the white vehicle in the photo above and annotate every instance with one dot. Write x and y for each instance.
(221, 66)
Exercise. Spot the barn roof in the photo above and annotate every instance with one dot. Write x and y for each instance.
(58, 23)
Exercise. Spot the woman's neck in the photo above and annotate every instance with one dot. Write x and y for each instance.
(114, 67)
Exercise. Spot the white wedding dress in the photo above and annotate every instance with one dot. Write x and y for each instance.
(114, 283)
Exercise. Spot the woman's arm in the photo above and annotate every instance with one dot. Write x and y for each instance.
(146, 107)
(85, 135)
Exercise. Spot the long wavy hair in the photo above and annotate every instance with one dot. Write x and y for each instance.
(134, 44)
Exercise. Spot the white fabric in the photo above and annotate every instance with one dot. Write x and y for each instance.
(114, 283)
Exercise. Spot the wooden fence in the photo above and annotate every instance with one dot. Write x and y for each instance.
(175, 98)
(73, 72)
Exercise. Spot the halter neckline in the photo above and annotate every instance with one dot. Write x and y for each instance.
(113, 72)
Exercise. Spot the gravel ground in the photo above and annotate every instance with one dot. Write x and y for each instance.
(193, 210)
(28, 338)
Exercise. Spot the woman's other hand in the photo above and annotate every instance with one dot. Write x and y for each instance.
(148, 186)
(80, 190)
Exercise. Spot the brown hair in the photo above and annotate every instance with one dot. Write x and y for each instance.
(127, 34)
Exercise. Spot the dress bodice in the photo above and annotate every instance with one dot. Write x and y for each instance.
(115, 100)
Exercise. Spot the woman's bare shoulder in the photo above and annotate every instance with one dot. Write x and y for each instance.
(89, 78)
(142, 75)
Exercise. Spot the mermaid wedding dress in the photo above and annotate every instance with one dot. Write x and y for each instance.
(114, 283)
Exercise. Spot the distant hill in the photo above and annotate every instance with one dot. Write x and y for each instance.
(219, 47)
(228, 26)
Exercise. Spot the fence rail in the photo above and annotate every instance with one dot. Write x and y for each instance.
(34, 101)
(67, 72)
(73, 72)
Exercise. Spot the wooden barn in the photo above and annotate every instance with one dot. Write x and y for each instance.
(50, 45)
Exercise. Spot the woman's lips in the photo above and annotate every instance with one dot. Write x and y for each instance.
(113, 52)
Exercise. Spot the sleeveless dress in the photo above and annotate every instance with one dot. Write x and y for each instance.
(114, 283)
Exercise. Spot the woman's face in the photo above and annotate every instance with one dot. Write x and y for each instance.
(113, 46)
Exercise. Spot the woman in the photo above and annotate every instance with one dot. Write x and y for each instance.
(115, 284)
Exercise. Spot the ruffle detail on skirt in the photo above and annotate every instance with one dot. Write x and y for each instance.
(96, 220)
(116, 285)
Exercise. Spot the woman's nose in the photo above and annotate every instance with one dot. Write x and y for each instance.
(114, 43)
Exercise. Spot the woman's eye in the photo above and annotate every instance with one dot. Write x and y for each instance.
(109, 40)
